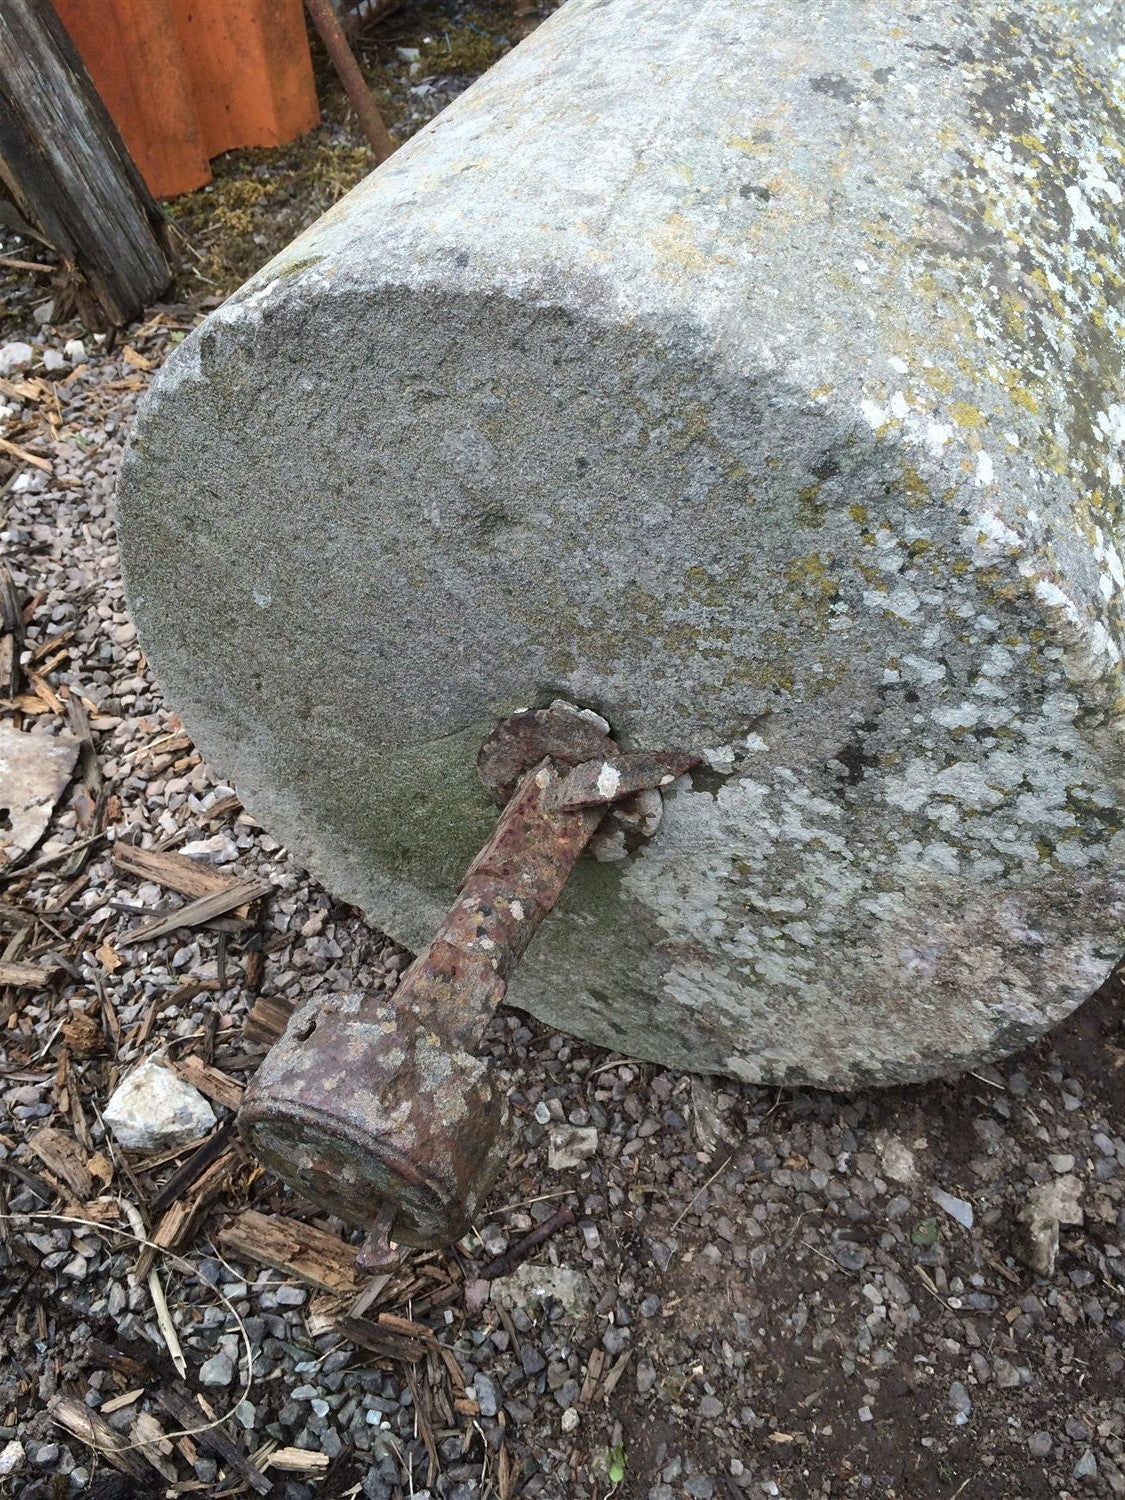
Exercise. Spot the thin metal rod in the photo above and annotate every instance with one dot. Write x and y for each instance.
(347, 70)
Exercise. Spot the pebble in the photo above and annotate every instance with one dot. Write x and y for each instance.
(957, 1208)
(570, 1145)
(898, 1161)
(218, 1370)
(1087, 1466)
(961, 1403)
(486, 1394)
(12, 1458)
(850, 1257)
(15, 356)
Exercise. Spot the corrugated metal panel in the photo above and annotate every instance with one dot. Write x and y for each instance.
(187, 79)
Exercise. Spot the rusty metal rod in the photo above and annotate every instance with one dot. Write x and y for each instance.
(508, 889)
(378, 1107)
(348, 72)
(515, 1255)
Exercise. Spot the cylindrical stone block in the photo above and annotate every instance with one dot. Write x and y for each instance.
(750, 373)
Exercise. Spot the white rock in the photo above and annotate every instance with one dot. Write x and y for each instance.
(12, 1458)
(75, 350)
(153, 1108)
(957, 1208)
(53, 360)
(44, 312)
(219, 849)
(15, 356)
(531, 1286)
(569, 1145)
(898, 1161)
(1047, 1207)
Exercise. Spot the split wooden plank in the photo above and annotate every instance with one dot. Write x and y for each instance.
(183, 1218)
(189, 1172)
(150, 1440)
(609, 1384)
(195, 913)
(12, 632)
(386, 1342)
(28, 976)
(67, 169)
(190, 877)
(11, 263)
(298, 1461)
(299, 1250)
(64, 1158)
(593, 1376)
(179, 1405)
(210, 1081)
(24, 456)
(268, 1018)
(117, 1403)
(81, 1422)
(223, 808)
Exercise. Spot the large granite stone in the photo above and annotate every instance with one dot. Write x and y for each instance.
(752, 373)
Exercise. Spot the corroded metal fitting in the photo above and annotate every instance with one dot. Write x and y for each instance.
(377, 1108)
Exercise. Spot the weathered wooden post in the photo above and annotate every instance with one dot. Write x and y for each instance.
(67, 169)
(753, 376)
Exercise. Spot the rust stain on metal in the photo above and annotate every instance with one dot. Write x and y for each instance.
(377, 1108)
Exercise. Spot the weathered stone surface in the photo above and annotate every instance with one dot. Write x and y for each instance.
(750, 373)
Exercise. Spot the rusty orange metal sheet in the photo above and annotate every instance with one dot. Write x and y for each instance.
(187, 79)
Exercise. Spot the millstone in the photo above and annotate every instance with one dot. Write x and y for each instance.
(749, 373)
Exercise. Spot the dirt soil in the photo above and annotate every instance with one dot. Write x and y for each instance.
(763, 1293)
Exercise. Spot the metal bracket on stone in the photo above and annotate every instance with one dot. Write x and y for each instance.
(378, 1109)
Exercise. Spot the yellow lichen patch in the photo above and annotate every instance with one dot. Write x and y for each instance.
(694, 424)
(1019, 393)
(916, 489)
(965, 415)
(675, 243)
(811, 510)
(809, 577)
(939, 381)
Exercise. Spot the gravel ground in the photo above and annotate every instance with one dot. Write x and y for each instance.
(765, 1292)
